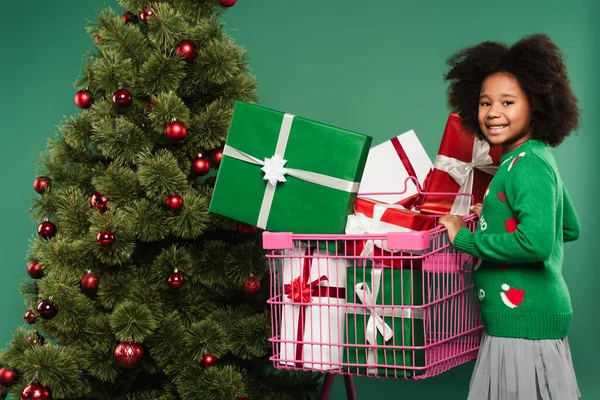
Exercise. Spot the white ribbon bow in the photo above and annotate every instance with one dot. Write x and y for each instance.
(375, 322)
(275, 171)
(463, 172)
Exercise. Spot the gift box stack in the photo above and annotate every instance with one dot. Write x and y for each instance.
(285, 173)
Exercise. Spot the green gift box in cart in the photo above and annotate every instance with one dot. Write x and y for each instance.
(380, 321)
(280, 172)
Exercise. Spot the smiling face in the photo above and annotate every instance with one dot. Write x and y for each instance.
(504, 112)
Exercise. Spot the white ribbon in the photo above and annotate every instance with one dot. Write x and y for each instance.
(463, 172)
(275, 171)
(359, 223)
(375, 322)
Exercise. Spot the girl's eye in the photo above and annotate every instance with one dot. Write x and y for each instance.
(484, 104)
(507, 103)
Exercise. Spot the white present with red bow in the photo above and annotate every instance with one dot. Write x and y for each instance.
(315, 288)
(390, 163)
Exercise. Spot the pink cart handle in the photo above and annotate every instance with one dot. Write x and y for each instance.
(418, 186)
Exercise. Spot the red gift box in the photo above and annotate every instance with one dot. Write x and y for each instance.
(379, 218)
(464, 164)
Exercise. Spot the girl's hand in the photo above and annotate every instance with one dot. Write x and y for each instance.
(477, 209)
(453, 224)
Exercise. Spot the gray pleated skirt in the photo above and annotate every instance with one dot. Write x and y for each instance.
(521, 369)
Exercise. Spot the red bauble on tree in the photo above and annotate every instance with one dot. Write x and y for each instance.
(188, 50)
(200, 166)
(215, 157)
(46, 309)
(8, 377)
(176, 131)
(130, 18)
(122, 98)
(252, 285)
(245, 229)
(208, 360)
(97, 40)
(99, 202)
(34, 270)
(46, 230)
(128, 354)
(145, 14)
(90, 283)
(227, 3)
(174, 202)
(105, 238)
(35, 391)
(41, 184)
(175, 280)
(29, 317)
(83, 98)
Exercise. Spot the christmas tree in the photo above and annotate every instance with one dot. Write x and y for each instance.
(137, 292)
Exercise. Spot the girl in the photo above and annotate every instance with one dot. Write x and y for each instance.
(519, 98)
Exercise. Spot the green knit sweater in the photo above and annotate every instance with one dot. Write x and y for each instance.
(527, 215)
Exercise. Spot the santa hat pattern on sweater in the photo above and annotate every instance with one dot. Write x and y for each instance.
(512, 297)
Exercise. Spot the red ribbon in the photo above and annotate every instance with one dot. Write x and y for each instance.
(413, 200)
(300, 292)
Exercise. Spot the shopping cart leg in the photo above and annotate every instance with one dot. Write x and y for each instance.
(327, 385)
(350, 390)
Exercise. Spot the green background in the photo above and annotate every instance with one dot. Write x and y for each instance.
(370, 67)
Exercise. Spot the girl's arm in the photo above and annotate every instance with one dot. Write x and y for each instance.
(571, 226)
(531, 189)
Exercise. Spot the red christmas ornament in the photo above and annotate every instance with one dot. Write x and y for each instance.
(105, 238)
(83, 99)
(36, 339)
(208, 360)
(130, 18)
(227, 3)
(97, 39)
(8, 377)
(46, 309)
(34, 270)
(41, 184)
(252, 285)
(200, 166)
(89, 283)
(245, 229)
(122, 98)
(174, 202)
(175, 280)
(176, 131)
(188, 50)
(46, 230)
(128, 354)
(99, 202)
(145, 14)
(29, 317)
(35, 391)
(216, 157)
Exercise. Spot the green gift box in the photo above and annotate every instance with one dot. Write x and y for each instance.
(280, 172)
(378, 324)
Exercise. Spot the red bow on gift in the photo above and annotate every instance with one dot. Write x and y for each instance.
(300, 292)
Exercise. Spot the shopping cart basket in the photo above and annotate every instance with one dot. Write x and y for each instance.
(396, 305)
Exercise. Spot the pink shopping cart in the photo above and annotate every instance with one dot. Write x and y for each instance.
(392, 305)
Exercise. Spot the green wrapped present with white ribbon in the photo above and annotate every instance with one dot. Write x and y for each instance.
(383, 316)
(280, 172)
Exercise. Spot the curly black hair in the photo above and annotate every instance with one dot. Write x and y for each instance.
(537, 64)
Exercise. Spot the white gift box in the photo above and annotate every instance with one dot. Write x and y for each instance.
(390, 163)
(317, 288)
